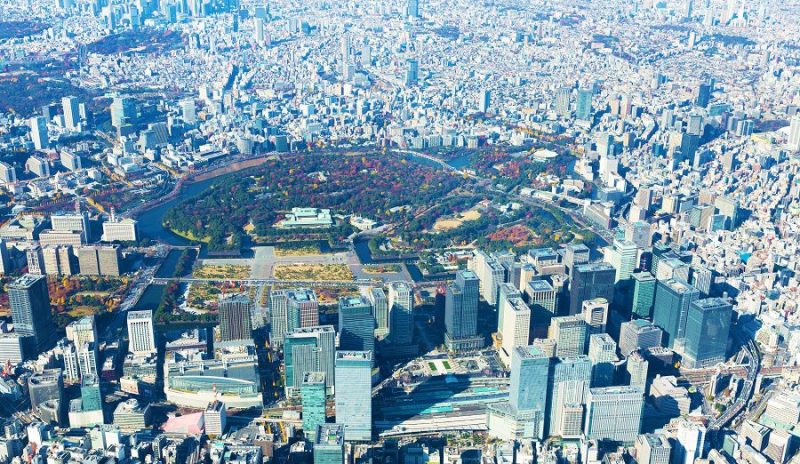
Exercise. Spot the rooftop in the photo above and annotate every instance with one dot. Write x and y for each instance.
(330, 435)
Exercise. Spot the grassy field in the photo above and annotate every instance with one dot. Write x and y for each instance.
(453, 222)
(338, 272)
(227, 271)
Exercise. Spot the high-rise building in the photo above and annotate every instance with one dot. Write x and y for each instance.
(36, 261)
(401, 313)
(603, 354)
(584, 108)
(354, 394)
(356, 324)
(91, 398)
(309, 349)
(570, 381)
(653, 449)
(141, 337)
(530, 369)
(412, 72)
(84, 330)
(123, 111)
(235, 322)
(637, 368)
(541, 298)
(707, 329)
(506, 292)
(638, 334)
(644, 293)
(794, 133)
(461, 312)
(491, 275)
(99, 260)
(46, 385)
(569, 333)
(614, 414)
(412, 8)
(671, 308)
(72, 115)
(380, 308)
(8, 173)
(312, 393)
(39, 134)
(516, 326)
(279, 316)
(562, 103)
(689, 443)
(30, 311)
(595, 314)
(591, 281)
(623, 256)
(484, 100)
(329, 444)
(120, 230)
(575, 254)
(303, 309)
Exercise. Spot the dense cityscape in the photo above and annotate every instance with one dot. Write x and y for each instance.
(406, 232)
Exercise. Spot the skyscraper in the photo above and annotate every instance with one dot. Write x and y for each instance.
(603, 354)
(72, 116)
(354, 394)
(30, 311)
(401, 310)
(141, 337)
(794, 133)
(707, 329)
(312, 393)
(644, 293)
(123, 111)
(671, 308)
(484, 100)
(279, 316)
(541, 298)
(623, 256)
(563, 97)
(569, 333)
(461, 313)
(235, 322)
(591, 281)
(303, 308)
(570, 381)
(356, 324)
(412, 8)
(506, 292)
(614, 413)
(309, 349)
(91, 398)
(380, 308)
(637, 367)
(638, 334)
(412, 71)
(584, 108)
(516, 326)
(39, 134)
(530, 369)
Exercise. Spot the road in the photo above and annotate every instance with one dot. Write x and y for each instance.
(754, 363)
